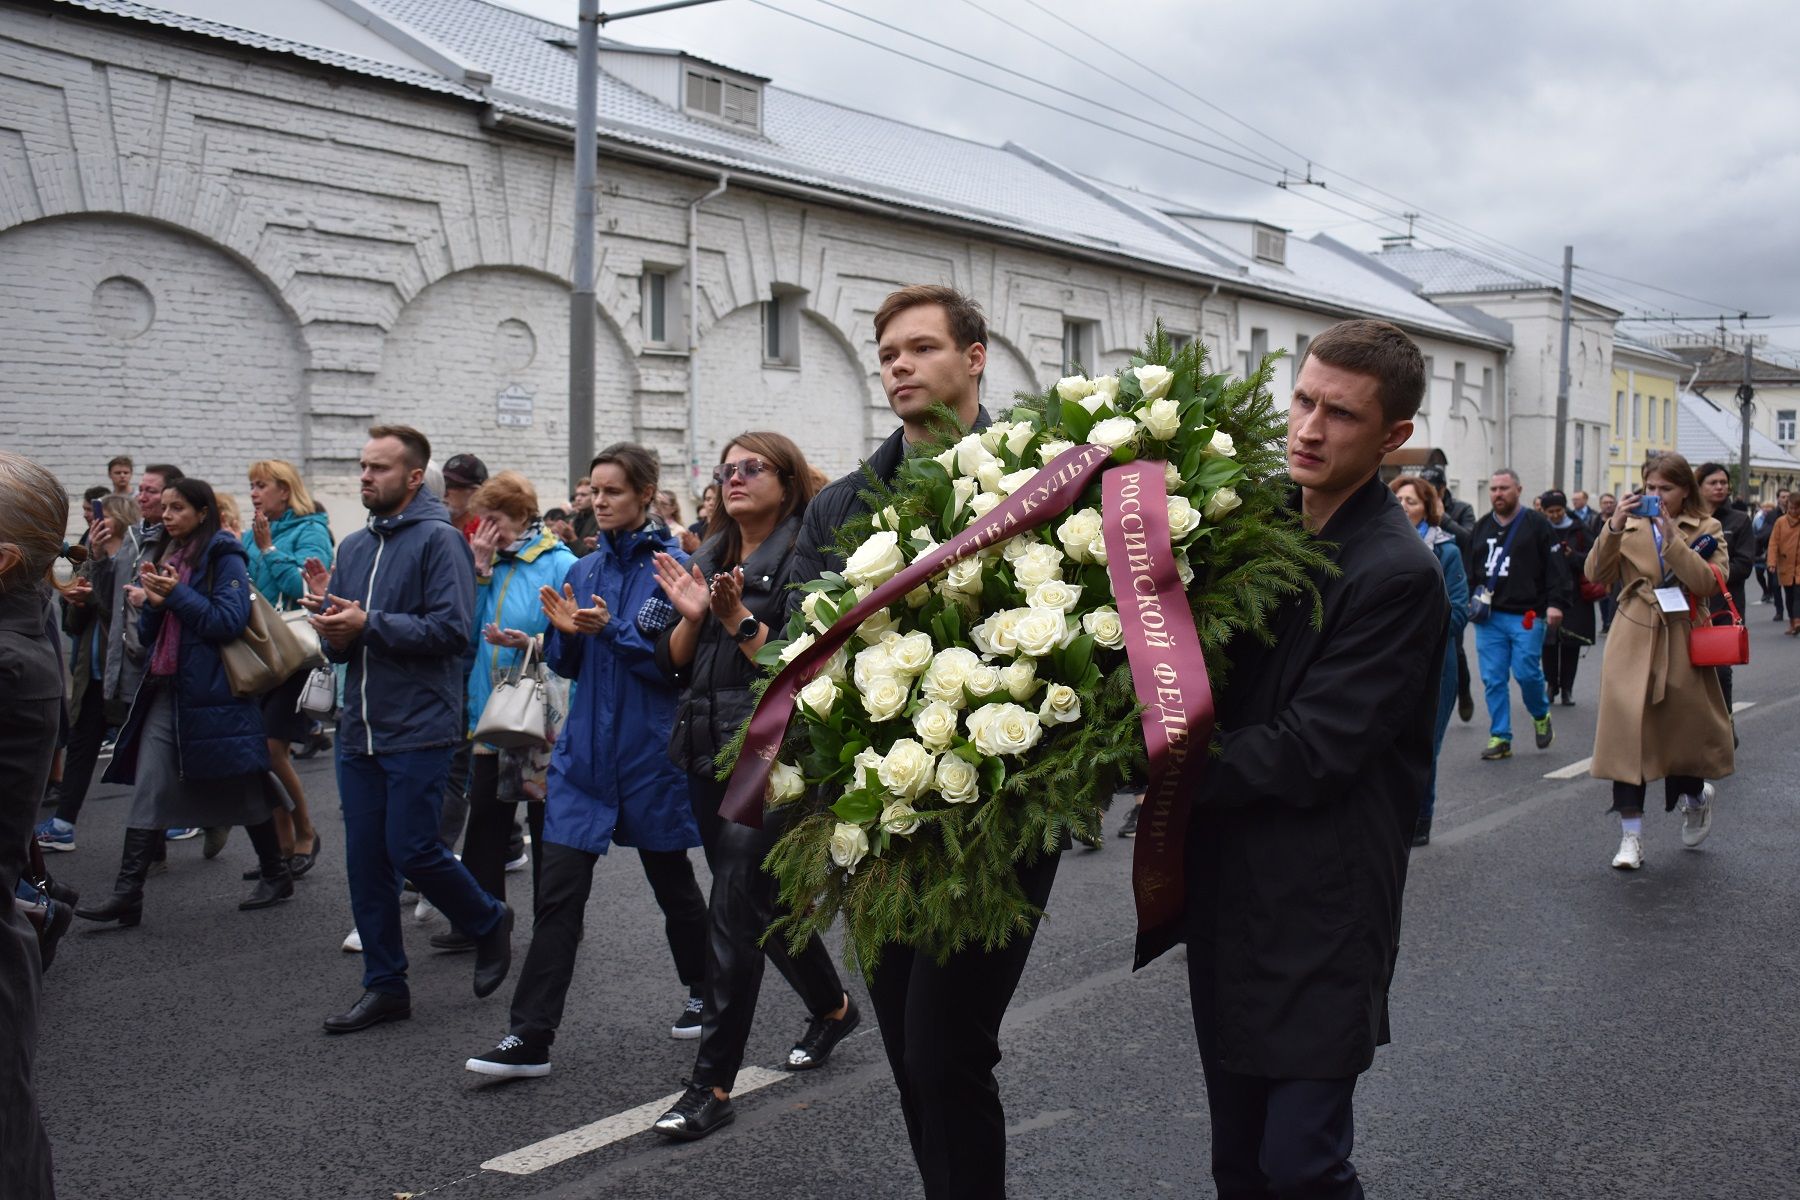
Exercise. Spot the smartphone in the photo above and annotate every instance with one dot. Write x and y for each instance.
(1650, 505)
(98, 509)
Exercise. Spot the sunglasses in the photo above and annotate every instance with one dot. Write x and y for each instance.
(747, 469)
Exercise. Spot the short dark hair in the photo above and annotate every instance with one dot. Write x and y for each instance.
(168, 473)
(120, 460)
(1709, 469)
(418, 446)
(98, 492)
(1382, 350)
(967, 323)
(642, 467)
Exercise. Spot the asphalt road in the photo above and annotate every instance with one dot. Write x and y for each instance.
(1561, 1029)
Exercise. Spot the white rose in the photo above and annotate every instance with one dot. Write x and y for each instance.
(957, 780)
(994, 634)
(1162, 418)
(970, 454)
(936, 725)
(809, 608)
(876, 560)
(785, 783)
(994, 434)
(1061, 705)
(965, 490)
(837, 666)
(1013, 482)
(984, 504)
(1077, 533)
(1221, 446)
(988, 475)
(1222, 502)
(1104, 624)
(1020, 679)
(1039, 563)
(943, 679)
(1020, 438)
(910, 653)
(982, 680)
(906, 769)
(1074, 387)
(900, 820)
(1182, 517)
(885, 698)
(849, 846)
(1184, 570)
(964, 575)
(887, 518)
(1049, 451)
(1171, 476)
(1113, 432)
(1040, 631)
(867, 759)
(1054, 593)
(1107, 388)
(878, 625)
(1015, 548)
(946, 460)
(1155, 381)
(1092, 403)
(820, 696)
(873, 665)
(796, 648)
(1005, 729)
(1096, 550)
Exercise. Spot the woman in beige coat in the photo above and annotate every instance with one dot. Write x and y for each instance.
(1660, 716)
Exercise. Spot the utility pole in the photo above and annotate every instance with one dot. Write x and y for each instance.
(1562, 382)
(1745, 394)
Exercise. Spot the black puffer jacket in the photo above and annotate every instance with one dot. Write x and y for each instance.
(715, 686)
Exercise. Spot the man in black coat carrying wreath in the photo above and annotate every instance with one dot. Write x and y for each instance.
(1302, 825)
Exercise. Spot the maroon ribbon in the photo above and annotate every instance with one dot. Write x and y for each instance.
(1168, 672)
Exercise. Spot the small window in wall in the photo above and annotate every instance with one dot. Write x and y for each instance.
(781, 330)
(1784, 425)
(1637, 404)
(1259, 347)
(1618, 412)
(1271, 246)
(1580, 456)
(1668, 420)
(723, 100)
(661, 308)
(1180, 341)
(1487, 390)
(1081, 346)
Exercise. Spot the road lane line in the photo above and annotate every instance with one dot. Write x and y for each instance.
(607, 1130)
(1573, 771)
(1741, 705)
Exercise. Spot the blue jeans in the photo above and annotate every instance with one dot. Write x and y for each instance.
(1506, 648)
(1447, 688)
(392, 805)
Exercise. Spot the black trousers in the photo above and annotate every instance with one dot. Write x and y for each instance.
(1562, 658)
(1280, 1139)
(1631, 795)
(86, 733)
(564, 883)
(487, 842)
(739, 912)
(1462, 670)
(455, 812)
(941, 1028)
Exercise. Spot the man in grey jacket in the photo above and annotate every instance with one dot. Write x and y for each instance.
(125, 658)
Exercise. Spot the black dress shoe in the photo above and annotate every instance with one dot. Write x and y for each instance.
(453, 941)
(695, 1115)
(372, 1009)
(821, 1037)
(270, 890)
(1422, 832)
(493, 954)
(1465, 707)
(300, 864)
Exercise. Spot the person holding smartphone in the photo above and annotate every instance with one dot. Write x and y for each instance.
(1661, 717)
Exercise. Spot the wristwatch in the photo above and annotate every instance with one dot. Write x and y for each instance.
(746, 630)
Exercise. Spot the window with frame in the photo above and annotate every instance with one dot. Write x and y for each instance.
(1637, 404)
(1784, 425)
(724, 100)
(658, 292)
(1580, 456)
(1668, 420)
(1081, 346)
(1618, 412)
(781, 330)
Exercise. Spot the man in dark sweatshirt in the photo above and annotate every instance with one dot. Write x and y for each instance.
(1515, 568)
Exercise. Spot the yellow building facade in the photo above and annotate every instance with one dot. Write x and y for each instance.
(1645, 414)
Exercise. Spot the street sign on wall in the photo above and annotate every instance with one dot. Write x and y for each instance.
(513, 408)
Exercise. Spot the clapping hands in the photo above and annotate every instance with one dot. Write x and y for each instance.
(568, 616)
(686, 589)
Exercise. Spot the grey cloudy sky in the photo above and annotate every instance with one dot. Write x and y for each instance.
(1656, 136)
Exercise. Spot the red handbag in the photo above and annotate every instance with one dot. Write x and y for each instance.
(1712, 645)
(1591, 591)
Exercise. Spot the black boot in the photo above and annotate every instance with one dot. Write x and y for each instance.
(276, 885)
(126, 904)
(1422, 831)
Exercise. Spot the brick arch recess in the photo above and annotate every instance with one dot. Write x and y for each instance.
(1006, 373)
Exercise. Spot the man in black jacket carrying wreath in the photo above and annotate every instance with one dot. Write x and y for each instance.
(1303, 821)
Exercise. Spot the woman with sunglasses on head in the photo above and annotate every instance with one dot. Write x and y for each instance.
(192, 750)
(731, 598)
(610, 779)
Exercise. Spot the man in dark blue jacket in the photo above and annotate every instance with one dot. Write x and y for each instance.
(397, 609)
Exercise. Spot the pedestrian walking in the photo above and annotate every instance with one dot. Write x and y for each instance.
(1518, 591)
(192, 751)
(730, 598)
(1740, 544)
(1661, 717)
(1459, 521)
(1563, 645)
(581, 517)
(397, 609)
(287, 528)
(34, 511)
(1424, 509)
(611, 781)
(1784, 561)
(1762, 525)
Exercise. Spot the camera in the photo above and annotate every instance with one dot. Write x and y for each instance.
(1650, 506)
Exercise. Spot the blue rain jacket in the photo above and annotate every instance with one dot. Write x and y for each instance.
(276, 571)
(509, 598)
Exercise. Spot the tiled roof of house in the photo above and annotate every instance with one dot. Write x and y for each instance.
(1706, 431)
(1440, 270)
(1722, 366)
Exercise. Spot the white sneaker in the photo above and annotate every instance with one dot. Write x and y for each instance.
(1631, 853)
(423, 910)
(1696, 817)
(353, 943)
(519, 863)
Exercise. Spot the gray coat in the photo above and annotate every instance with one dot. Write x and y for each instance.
(126, 655)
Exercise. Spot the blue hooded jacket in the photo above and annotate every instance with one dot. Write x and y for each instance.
(414, 575)
(217, 734)
(509, 599)
(610, 775)
(276, 571)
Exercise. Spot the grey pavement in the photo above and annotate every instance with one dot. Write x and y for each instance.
(1561, 1029)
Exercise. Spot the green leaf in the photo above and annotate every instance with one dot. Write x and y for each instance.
(1214, 472)
(854, 808)
(1077, 420)
(993, 774)
(1076, 657)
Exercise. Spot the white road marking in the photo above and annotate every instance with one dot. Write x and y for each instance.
(1574, 770)
(1741, 705)
(604, 1132)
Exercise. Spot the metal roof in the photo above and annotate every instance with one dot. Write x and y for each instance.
(1439, 270)
(1704, 431)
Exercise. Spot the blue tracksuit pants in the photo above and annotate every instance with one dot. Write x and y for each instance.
(1508, 651)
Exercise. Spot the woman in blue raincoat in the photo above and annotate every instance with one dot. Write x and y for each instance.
(1425, 509)
(611, 779)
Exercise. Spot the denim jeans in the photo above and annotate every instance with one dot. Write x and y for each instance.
(1508, 651)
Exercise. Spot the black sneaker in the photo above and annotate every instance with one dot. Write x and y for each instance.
(1497, 748)
(821, 1037)
(1545, 734)
(687, 1025)
(1465, 707)
(1129, 828)
(513, 1058)
(695, 1115)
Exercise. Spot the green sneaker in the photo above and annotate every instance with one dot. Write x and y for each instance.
(1497, 748)
(1545, 734)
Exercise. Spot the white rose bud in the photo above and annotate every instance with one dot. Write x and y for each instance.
(1013, 482)
(957, 780)
(1107, 388)
(900, 820)
(1155, 381)
(873, 664)
(1171, 476)
(1184, 570)
(837, 666)
(1054, 593)
(1048, 452)
(1221, 503)
(964, 575)
(885, 698)
(809, 608)
(1104, 624)
(1020, 438)
(906, 769)
(866, 760)
(1061, 705)
(918, 596)
(1005, 729)
(1182, 517)
(1097, 550)
(1077, 533)
(1221, 446)
(887, 518)
(849, 846)
(1020, 679)
(876, 560)
(1113, 432)
(982, 680)
(1039, 563)
(878, 625)
(970, 454)
(796, 648)
(1074, 387)
(820, 696)
(936, 726)
(785, 783)
(989, 474)
(1015, 548)
(1162, 418)
(984, 504)
(1092, 403)
(994, 434)
(946, 460)
(943, 679)
(1040, 631)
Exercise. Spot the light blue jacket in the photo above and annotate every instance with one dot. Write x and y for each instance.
(275, 572)
(509, 598)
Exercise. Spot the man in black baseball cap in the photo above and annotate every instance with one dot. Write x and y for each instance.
(462, 475)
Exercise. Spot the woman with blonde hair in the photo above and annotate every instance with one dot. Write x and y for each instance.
(1661, 717)
(288, 528)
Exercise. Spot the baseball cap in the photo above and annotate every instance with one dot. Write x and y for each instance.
(1553, 499)
(1433, 475)
(464, 471)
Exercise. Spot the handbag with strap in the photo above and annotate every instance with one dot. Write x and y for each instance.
(268, 653)
(1712, 645)
(517, 712)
